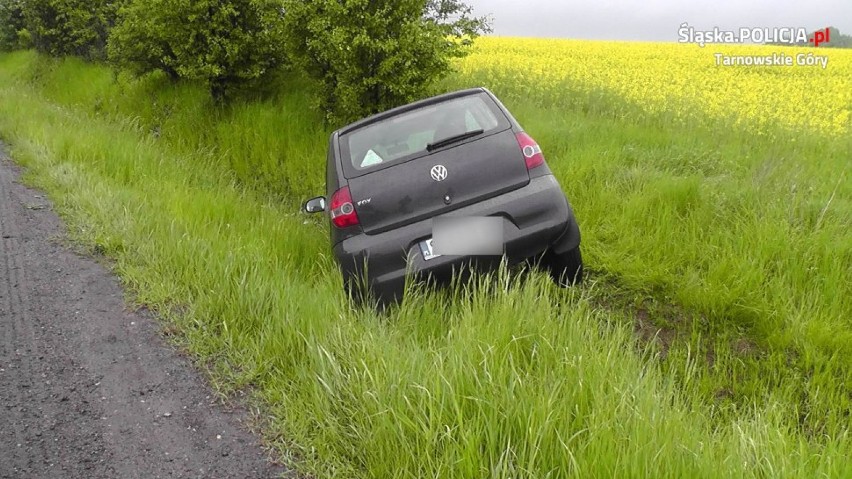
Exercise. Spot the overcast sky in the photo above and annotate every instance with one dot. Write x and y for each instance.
(656, 20)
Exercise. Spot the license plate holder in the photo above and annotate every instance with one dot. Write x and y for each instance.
(427, 251)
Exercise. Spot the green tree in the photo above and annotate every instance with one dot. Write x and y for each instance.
(838, 40)
(221, 42)
(371, 55)
(70, 27)
(11, 24)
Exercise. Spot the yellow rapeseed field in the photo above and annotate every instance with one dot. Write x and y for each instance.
(680, 80)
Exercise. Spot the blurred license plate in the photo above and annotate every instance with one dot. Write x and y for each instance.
(426, 249)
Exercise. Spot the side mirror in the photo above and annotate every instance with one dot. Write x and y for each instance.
(315, 205)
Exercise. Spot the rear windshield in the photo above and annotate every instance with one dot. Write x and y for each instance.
(406, 136)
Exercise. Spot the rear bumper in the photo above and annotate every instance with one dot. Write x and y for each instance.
(535, 218)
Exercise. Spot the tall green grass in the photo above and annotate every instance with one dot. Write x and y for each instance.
(726, 243)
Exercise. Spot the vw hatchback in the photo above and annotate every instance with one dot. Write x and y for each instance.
(434, 185)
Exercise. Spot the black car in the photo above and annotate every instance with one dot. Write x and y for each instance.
(457, 167)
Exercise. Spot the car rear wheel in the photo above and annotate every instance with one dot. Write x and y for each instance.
(361, 294)
(355, 291)
(566, 268)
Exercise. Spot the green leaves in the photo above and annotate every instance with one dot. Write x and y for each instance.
(66, 27)
(223, 43)
(11, 24)
(369, 56)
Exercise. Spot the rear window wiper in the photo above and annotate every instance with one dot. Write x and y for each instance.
(453, 139)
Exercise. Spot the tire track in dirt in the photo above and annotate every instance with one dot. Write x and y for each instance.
(14, 368)
(37, 415)
(88, 388)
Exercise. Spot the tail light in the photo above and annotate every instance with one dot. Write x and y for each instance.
(532, 152)
(342, 210)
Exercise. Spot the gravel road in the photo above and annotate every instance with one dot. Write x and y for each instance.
(88, 388)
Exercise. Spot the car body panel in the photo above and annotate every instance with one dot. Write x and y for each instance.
(406, 192)
(536, 216)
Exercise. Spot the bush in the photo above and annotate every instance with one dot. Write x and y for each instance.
(70, 27)
(371, 55)
(11, 24)
(221, 42)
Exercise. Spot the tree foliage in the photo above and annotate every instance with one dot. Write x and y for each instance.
(838, 40)
(367, 55)
(221, 42)
(371, 55)
(69, 27)
(11, 24)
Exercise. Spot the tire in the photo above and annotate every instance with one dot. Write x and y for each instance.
(364, 295)
(356, 291)
(566, 268)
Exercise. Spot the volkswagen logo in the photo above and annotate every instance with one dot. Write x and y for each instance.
(439, 172)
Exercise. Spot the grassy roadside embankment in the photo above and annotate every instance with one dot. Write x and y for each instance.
(698, 229)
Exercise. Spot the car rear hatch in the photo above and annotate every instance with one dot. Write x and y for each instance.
(390, 194)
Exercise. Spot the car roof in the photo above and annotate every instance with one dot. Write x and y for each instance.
(408, 107)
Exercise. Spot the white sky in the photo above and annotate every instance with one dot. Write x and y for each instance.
(656, 20)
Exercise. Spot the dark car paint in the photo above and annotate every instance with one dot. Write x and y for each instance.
(537, 214)
(406, 192)
(529, 229)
